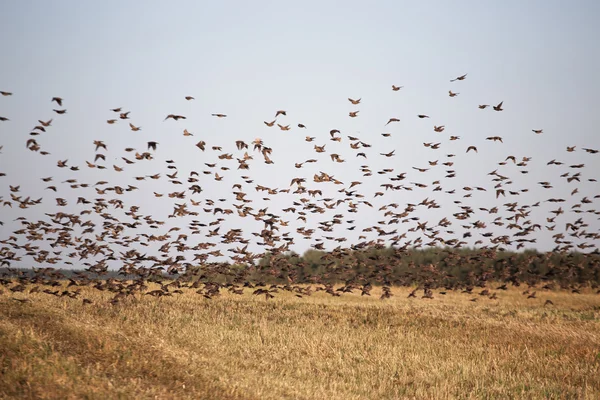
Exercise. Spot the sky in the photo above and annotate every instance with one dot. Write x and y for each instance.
(250, 59)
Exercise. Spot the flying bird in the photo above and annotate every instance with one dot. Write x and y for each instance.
(460, 78)
(174, 117)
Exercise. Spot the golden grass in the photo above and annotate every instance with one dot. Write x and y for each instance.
(317, 347)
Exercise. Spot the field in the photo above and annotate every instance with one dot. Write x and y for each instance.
(314, 347)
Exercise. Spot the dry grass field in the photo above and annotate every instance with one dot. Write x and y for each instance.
(317, 347)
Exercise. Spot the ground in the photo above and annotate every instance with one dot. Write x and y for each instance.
(317, 347)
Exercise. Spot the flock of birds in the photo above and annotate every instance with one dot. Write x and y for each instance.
(105, 229)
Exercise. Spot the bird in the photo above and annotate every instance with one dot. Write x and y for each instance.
(58, 101)
(174, 117)
(396, 88)
(452, 94)
(499, 106)
(355, 102)
(460, 78)
(538, 131)
(152, 145)
(99, 144)
(219, 115)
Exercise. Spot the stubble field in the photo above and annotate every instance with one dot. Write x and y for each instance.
(314, 347)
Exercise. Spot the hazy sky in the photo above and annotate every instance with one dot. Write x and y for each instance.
(250, 59)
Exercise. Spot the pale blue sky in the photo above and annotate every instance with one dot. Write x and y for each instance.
(250, 59)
